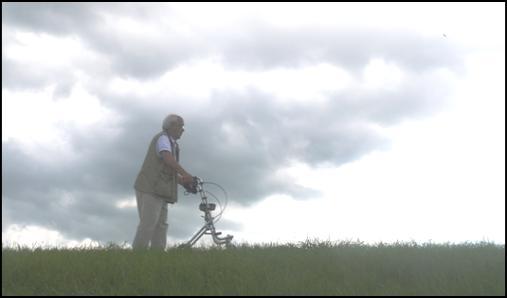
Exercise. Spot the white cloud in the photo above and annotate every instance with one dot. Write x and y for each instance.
(305, 84)
(379, 74)
(38, 122)
(22, 116)
(39, 237)
(43, 50)
(126, 203)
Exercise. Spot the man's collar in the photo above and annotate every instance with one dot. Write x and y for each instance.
(171, 139)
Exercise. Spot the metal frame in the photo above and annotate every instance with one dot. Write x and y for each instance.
(208, 228)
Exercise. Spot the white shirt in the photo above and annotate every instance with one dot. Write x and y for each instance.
(164, 144)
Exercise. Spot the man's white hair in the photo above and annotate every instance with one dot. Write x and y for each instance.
(170, 120)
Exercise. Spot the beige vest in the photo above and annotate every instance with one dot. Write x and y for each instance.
(156, 177)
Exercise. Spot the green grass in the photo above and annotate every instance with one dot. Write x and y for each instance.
(306, 268)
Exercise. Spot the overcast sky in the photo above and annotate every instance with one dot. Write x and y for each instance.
(377, 122)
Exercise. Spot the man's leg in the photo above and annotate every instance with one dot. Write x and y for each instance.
(159, 239)
(149, 209)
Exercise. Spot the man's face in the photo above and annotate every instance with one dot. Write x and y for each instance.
(176, 130)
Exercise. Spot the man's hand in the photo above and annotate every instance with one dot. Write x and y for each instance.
(190, 187)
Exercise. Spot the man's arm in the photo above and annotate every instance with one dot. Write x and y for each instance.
(170, 161)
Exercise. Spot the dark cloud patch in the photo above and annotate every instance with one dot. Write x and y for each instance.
(144, 57)
(54, 18)
(79, 199)
(249, 45)
(83, 203)
(63, 195)
(129, 54)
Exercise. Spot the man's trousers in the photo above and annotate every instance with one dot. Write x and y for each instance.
(152, 222)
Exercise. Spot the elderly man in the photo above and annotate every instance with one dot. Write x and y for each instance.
(156, 184)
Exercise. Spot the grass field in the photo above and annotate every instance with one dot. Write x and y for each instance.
(305, 268)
